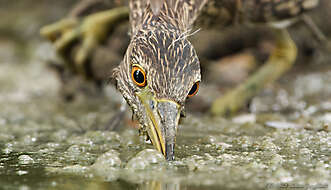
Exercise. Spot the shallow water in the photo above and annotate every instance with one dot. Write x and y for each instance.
(47, 144)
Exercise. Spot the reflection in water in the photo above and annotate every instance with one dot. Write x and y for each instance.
(157, 185)
(79, 182)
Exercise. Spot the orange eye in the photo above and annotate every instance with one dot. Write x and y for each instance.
(138, 76)
(194, 90)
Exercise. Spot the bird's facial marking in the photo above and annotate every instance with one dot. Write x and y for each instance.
(138, 75)
(194, 90)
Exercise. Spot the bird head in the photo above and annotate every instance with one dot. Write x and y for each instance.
(160, 70)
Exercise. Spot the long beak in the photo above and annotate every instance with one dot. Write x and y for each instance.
(163, 117)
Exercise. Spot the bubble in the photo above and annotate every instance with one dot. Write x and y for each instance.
(107, 166)
(145, 159)
(109, 159)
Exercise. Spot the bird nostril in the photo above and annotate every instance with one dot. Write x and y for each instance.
(152, 104)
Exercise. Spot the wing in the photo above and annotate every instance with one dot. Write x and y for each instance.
(275, 10)
(220, 13)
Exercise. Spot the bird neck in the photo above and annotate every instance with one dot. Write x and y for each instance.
(163, 22)
(167, 18)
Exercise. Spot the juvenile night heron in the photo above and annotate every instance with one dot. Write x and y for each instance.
(160, 69)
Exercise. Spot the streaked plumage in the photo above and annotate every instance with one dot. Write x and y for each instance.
(159, 45)
(220, 13)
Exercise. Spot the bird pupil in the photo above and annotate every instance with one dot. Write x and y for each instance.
(139, 77)
(193, 89)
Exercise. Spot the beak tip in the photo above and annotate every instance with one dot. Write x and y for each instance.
(170, 158)
(170, 153)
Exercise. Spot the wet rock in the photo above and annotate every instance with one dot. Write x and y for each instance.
(25, 159)
(309, 85)
(146, 159)
(245, 118)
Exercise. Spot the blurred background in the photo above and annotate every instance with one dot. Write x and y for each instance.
(226, 52)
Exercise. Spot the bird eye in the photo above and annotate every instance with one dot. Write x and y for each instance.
(194, 90)
(138, 76)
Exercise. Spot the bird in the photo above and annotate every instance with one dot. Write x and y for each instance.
(161, 69)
